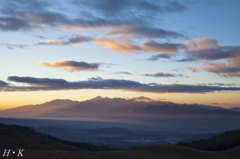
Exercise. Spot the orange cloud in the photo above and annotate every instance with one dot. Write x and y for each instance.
(71, 65)
(192, 69)
(202, 43)
(118, 47)
(209, 49)
(150, 46)
(234, 61)
(221, 69)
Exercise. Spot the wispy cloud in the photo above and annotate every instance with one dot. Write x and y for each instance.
(113, 8)
(123, 72)
(14, 46)
(74, 40)
(37, 84)
(159, 56)
(14, 24)
(118, 18)
(186, 60)
(161, 74)
(143, 31)
(72, 65)
(221, 84)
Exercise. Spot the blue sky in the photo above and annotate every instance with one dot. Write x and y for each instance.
(189, 49)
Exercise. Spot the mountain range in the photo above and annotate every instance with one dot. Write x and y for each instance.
(140, 109)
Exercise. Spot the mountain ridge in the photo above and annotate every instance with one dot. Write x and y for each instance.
(100, 108)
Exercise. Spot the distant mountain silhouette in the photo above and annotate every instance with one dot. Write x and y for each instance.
(235, 109)
(86, 109)
(30, 111)
(112, 107)
(167, 108)
(207, 106)
(140, 109)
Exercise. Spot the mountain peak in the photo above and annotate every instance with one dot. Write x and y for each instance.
(97, 98)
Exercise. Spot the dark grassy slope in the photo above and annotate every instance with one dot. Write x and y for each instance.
(144, 152)
(41, 146)
(220, 142)
(16, 137)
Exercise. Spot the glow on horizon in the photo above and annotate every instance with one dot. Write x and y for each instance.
(213, 99)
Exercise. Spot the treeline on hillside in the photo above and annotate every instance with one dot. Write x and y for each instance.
(18, 128)
(224, 141)
(10, 129)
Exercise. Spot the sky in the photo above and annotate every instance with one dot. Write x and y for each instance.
(185, 51)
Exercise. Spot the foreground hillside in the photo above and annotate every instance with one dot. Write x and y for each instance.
(23, 137)
(149, 152)
(221, 142)
(41, 146)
